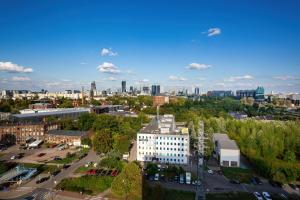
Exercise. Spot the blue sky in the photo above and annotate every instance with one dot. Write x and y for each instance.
(225, 44)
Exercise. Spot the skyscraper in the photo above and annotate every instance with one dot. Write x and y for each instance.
(155, 90)
(93, 89)
(123, 86)
(197, 91)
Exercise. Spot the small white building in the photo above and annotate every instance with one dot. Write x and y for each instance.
(162, 142)
(226, 150)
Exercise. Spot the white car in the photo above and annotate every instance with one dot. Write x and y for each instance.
(210, 171)
(258, 196)
(156, 177)
(266, 195)
(13, 157)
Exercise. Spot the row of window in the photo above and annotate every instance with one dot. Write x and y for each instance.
(161, 138)
(166, 160)
(161, 154)
(163, 148)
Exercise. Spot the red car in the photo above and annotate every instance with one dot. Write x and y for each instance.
(114, 173)
(41, 154)
(91, 172)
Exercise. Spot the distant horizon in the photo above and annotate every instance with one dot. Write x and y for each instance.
(215, 45)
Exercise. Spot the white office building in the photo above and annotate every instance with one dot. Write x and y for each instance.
(161, 141)
(226, 150)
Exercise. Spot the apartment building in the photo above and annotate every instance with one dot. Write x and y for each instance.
(163, 142)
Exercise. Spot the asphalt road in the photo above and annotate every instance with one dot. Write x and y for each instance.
(44, 189)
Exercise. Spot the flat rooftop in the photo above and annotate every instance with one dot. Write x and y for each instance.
(67, 133)
(161, 125)
(228, 144)
(53, 112)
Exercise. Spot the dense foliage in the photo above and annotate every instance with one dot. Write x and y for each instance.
(128, 184)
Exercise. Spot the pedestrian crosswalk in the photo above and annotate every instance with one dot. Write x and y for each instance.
(42, 195)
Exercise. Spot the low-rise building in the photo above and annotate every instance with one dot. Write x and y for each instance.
(226, 150)
(161, 141)
(20, 132)
(65, 136)
(160, 100)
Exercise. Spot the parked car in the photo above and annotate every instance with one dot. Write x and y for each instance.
(43, 179)
(88, 164)
(41, 154)
(57, 158)
(151, 178)
(210, 171)
(18, 156)
(156, 177)
(275, 183)
(181, 179)
(266, 195)
(256, 181)
(114, 173)
(258, 196)
(56, 172)
(294, 186)
(91, 172)
(234, 181)
(66, 166)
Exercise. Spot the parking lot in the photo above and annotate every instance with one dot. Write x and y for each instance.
(40, 155)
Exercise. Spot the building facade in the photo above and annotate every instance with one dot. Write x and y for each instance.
(123, 86)
(155, 90)
(162, 142)
(160, 100)
(21, 132)
(65, 137)
(226, 151)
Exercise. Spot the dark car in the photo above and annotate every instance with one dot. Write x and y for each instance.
(42, 180)
(57, 158)
(66, 166)
(41, 154)
(256, 181)
(275, 183)
(234, 181)
(294, 186)
(56, 172)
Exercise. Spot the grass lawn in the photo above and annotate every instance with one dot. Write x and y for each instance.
(4, 167)
(42, 167)
(243, 175)
(65, 160)
(83, 169)
(87, 184)
(230, 196)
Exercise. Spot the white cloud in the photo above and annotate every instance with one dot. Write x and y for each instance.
(213, 32)
(144, 80)
(83, 63)
(108, 52)
(236, 78)
(220, 84)
(20, 78)
(14, 68)
(111, 78)
(109, 68)
(198, 66)
(286, 77)
(175, 78)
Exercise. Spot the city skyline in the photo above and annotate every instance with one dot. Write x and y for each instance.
(211, 45)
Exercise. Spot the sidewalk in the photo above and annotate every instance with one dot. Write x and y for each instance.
(15, 193)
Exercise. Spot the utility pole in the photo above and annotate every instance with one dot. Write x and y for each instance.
(200, 194)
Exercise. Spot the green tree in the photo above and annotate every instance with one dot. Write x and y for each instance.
(128, 184)
(102, 141)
